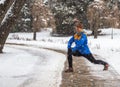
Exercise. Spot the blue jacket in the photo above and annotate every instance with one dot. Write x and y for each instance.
(80, 44)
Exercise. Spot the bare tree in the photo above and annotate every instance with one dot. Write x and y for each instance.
(10, 15)
(35, 15)
(42, 17)
(100, 15)
(95, 12)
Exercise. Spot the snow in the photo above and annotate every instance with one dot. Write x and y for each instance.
(8, 14)
(13, 64)
(96, 0)
(16, 61)
(104, 46)
(2, 1)
(27, 19)
(39, 66)
(45, 1)
(35, 67)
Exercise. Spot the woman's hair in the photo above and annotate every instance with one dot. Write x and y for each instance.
(79, 25)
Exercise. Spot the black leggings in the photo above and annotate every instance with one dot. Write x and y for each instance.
(87, 56)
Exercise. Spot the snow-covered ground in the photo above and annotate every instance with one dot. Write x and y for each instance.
(104, 46)
(22, 66)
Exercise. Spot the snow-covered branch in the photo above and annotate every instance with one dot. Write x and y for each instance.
(2, 1)
(8, 14)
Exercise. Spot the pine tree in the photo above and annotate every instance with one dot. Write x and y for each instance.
(24, 22)
(65, 11)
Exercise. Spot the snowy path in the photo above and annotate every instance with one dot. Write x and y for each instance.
(87, 74)
(22, 66)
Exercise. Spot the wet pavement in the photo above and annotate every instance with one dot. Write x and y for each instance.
(87, 74)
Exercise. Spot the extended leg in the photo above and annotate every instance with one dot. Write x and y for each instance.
(93, 60)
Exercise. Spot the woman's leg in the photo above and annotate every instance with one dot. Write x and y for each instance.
(69, 57)
(93, 60)
(70, 60)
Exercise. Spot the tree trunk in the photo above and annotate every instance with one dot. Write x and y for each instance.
(10, 21)
(95, 33)
(34, 35)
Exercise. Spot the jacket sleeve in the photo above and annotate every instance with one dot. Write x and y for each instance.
(81, 41)
(70, 41)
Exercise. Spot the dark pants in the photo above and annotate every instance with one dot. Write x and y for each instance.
(87, 56)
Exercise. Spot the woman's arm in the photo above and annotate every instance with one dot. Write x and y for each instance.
(70, 42)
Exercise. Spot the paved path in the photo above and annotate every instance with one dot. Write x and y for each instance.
(87, 74)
